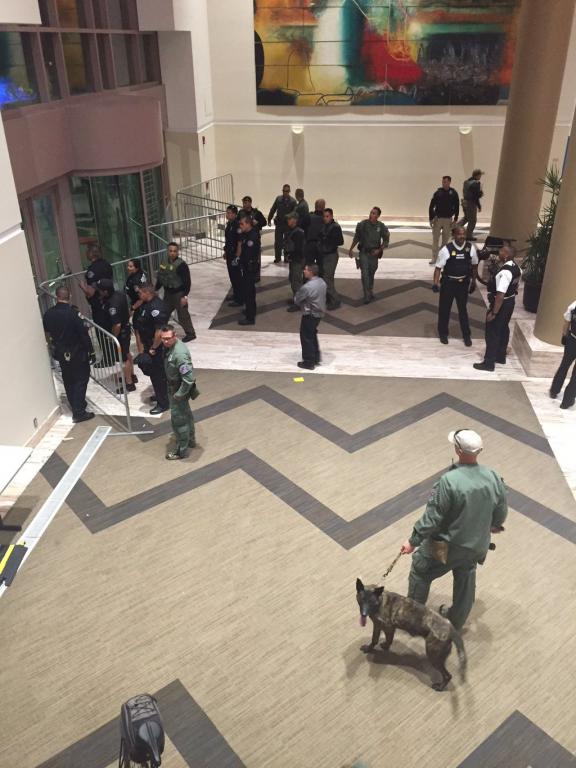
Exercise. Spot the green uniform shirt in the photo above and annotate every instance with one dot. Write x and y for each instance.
(302, 210)
(179, 370)
(466, 502)
(371, 236)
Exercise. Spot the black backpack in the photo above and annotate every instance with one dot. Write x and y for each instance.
(142, 733)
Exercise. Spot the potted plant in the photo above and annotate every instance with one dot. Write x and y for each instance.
(534, 263)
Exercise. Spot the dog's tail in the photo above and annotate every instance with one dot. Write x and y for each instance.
(459, 643)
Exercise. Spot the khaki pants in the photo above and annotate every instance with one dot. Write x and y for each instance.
(444, 227)
(470, 210)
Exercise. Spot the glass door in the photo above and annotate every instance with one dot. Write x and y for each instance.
(40, 215)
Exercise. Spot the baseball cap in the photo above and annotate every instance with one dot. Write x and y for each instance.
(105, 284)
(466, 440)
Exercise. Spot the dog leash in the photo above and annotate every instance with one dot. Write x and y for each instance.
(398, 556)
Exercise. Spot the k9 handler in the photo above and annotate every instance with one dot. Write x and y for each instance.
(181, 387)
(453, 534)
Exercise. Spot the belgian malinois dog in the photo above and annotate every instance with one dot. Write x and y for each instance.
(389, 612)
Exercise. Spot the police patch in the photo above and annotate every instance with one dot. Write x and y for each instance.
(112, 310)
(90, 275)
(184, 369)
(155, 312)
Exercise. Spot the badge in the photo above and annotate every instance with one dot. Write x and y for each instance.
(90, 275)
(155, 312)
(250, 243)
(143, 278)
(112, 310)
(184, 369)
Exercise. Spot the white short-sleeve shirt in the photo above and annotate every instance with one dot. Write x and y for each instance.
(568, 313)
(504, 277)
(444, 254)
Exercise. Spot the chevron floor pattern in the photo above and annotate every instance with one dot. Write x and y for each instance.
(240, 585)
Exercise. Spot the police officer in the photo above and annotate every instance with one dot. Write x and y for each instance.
(258, 218)
(502, 290)
(467, 504)
(315, 226)
(181, 387)
(98, 269)
(174, 277)
(330, 239)
(70, 345)
(281, 207)
(154, 314)
(294, 241)
(443, 214)
(115, 305)
(471, 196)
(372, 236)
(248, 252)
(231, 237)
(136, 277)
(302, 209)
(569, 342)
(458, 264)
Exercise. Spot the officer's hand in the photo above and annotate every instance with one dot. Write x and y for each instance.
(92, 358)
(564, 340)
(432, 223)
(407, 548)
(490, 316)
(351, 253)
(152, 351)
(435, 288)
(472, 287)
(183, 301)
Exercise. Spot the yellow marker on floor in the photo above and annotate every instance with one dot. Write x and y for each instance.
(298, 379)
(6, 557)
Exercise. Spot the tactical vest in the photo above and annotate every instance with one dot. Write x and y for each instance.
(459, 264)
(514, 269)
(168, 276)
(572, 328)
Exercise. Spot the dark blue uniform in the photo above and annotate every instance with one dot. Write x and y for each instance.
(72, 348)
(153, 315)
(232, 235)
(249, 266)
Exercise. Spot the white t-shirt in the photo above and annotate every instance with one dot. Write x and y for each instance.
(568, 313)
(444, 254)
(504, 277)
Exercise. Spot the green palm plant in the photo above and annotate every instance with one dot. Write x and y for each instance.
(534, 263)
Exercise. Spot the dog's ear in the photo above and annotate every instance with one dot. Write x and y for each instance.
(359, 586)
(378, 591)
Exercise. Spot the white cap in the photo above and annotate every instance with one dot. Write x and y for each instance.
(466, 440)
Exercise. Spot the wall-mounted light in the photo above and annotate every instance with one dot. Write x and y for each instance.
(464, 129)
(297, 129)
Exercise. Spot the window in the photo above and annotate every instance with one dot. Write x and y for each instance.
(70, 13)
(77, 59)
(17, 78)
(50, 65)
(121, 50)
(105, 56)
(151, 62)
(45, 13)
(113, 14)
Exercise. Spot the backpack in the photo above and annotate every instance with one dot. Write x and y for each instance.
(142, 733)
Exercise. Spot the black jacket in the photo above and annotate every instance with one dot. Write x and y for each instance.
(68, 334)
(445, 204)
(331, 237)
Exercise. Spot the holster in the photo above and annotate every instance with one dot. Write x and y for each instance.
(439, 550)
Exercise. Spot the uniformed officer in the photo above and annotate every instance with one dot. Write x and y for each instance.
(471, 195)
(302, 209)
(502, 290)
(70, 345)
(174, 277)
(467, 504)
(136, 278)
(331, 238)
(315, 227)
(281, 207)
(458, 264)
(569, 342)
(98, 269)
(248, 252)
(231, 237)
(294, 241)
(443, 214)
(258, 218)
(181, 387)
(372, 236)
(154, 314)
(115, 305)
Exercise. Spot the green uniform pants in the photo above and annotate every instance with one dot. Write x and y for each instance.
(173, 301)
(182, 423)
(329, 263)
(368, 267)
(463, 566)
(295, 275)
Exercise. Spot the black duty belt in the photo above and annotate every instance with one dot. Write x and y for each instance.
(457, 279)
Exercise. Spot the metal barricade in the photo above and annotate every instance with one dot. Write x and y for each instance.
(200, 238)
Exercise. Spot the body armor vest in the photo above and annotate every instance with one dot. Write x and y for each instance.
(572, 328)
(459, 264)
(513, 287)
(168, 276)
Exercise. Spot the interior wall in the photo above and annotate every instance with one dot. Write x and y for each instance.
(390, 156)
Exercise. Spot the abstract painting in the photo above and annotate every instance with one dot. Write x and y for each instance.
(384, 52)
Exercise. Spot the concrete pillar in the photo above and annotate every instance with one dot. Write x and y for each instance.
(559, 287)
(543, 36)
